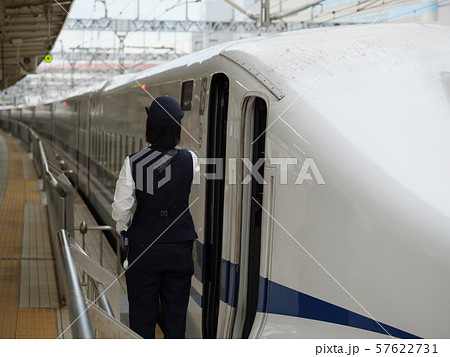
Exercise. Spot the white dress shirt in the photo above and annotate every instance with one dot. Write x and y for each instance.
(124, 194)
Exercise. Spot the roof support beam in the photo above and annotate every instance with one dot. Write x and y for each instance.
(29, 29)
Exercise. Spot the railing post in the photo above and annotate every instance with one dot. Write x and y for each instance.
(84, 228)
(81, 325)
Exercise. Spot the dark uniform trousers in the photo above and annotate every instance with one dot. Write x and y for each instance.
(160, 273)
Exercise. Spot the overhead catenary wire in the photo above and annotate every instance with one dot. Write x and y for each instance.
(412, 11)
(337, 14)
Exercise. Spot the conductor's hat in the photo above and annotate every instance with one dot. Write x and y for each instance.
(164, 111)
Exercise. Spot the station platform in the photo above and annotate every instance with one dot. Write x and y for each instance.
(29, 303)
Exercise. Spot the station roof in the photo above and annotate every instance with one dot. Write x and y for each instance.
(28, 31)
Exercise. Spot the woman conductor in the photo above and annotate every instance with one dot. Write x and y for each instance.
(162, 232)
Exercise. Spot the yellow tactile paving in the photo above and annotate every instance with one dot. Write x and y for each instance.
(31, 185)
(11, 222)
(36, 323)
(18, 322)
(9, 295)
(11, 208)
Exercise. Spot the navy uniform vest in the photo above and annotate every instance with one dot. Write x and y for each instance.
(162, 200)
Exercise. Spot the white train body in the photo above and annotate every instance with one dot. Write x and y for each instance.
(359, 246)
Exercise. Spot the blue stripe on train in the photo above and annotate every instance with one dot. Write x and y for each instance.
(229, 282)
(278, 299)
(198, 298)
(229, 275)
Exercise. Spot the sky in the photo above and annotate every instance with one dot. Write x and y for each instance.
(147, 10)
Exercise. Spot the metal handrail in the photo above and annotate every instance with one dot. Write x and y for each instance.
(81, 324)
(103, 300)
(84, 228)
(49, 176)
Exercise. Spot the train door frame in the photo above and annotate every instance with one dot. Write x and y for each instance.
(214, 203)
(255, 116)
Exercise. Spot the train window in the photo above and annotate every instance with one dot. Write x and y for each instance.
(204, 87)
(99, 148)
(97, 144)
(120, 151)
(111, 152)
(186, 95)
(114, 152)
(103, 152)
(133, 145)
(141, 144)
(94, 144)
(108, 150)
(105, 148)
(126, 145)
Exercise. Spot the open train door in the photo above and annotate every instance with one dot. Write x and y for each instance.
(234, 217)
(235, 222)
(214, 208)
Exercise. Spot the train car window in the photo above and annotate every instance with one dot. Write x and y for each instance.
(94, 144)
(100, 145)
(116, 153)
(186, 95)
(133, 145)
(120, 150)
(97, 144)
(114, 150)
(103, 147)
(141, 144)
(204, 87)
(110, 149)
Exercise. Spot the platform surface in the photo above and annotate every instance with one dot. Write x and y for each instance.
(29, 303)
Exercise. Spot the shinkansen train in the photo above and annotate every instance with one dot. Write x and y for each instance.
(326, 210)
